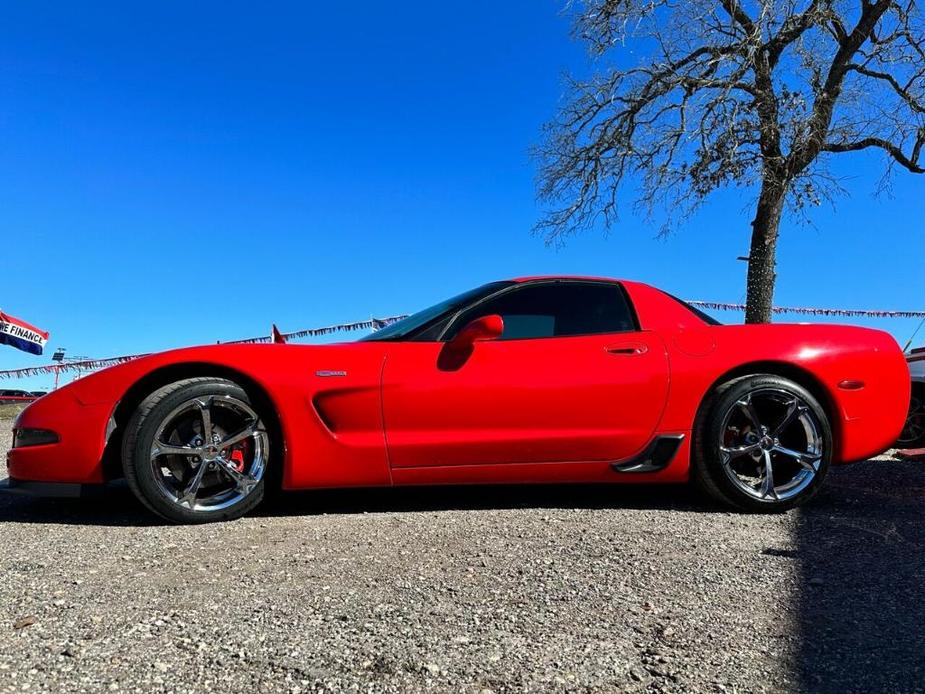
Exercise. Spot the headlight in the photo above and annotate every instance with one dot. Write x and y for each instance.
(23, 438)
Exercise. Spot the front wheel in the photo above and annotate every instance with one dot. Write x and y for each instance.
(765, 444)
(197, 451)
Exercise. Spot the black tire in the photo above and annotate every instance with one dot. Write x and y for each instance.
(155, 493)
(913, 433)
(726, 424)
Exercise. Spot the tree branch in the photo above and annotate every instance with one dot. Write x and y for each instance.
(908, 162)
(824, 106)
(793, 27)
(902, 92)
(735, 11)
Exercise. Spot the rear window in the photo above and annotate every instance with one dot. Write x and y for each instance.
(705, 317)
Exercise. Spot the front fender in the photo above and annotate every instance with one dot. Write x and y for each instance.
(331, 427)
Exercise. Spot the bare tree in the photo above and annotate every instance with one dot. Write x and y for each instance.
(694, 95)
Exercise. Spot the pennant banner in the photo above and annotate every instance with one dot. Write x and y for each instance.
(19, 334)
(844, 312)
(82, 365)
(371, 324)
(94, 364)
(377, 324)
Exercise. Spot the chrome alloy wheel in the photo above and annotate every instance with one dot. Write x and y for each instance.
(772, 445)
(209, 453)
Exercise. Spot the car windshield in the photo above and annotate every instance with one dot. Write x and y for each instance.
(409, 325)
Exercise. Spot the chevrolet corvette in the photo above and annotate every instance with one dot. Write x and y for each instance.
(533, 380)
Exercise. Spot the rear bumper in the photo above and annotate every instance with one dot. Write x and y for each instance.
(872, 417)
(54, 490)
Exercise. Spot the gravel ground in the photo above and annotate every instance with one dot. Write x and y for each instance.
(472, 589)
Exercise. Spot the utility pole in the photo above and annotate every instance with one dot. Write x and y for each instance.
(58, 357)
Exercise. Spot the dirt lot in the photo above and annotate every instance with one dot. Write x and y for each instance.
(558, 588)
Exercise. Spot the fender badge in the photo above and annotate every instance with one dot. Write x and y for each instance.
(329, 374)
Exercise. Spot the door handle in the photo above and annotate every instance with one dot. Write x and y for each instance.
(627, 348)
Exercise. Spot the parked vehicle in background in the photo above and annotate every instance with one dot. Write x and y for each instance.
(913, 434)
(10, 397)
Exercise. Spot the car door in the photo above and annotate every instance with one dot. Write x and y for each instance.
(571, 378)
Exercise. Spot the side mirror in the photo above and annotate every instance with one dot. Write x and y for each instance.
(480, 330)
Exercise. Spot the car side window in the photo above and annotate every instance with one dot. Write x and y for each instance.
(555, 309)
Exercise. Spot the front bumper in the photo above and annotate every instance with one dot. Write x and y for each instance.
(76, 457)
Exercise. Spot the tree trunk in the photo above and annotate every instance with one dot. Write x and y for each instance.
(762, 257)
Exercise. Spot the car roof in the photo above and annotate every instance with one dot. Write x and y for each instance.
(534, 278)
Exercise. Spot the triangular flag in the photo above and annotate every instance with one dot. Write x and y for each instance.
(277, 337)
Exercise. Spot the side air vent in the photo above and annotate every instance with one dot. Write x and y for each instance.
(656, 456)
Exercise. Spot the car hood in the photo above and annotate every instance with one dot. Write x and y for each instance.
(262, 363)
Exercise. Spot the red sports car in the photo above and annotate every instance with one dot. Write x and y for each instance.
(543, 379)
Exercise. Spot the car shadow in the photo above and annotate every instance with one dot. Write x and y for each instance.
(117, 507)
(861, 599)
(480, 498)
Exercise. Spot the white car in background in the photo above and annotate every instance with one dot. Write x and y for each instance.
(913, 434)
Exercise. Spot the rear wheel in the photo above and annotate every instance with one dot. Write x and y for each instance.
(197, 451)
(765, 444)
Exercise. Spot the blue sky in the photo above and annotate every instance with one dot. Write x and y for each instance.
(185, 173)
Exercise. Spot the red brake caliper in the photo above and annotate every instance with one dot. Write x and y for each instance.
(237, 457)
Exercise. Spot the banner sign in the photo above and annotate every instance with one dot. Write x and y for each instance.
(19, 334)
